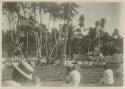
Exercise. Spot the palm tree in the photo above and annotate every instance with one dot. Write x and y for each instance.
(102, 22)
(83, 30)
(23, 7)
(65, 11)
(9, 9)
(115, 34)
(41, 6)
(34, 6)
(44, 7)
(81, 20)
(53, 9)
(97, 27)
(71, 31)
(68, 12)
(102, 25)
(57, 42)
(54, 13)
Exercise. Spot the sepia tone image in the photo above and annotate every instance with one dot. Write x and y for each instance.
(62, 44)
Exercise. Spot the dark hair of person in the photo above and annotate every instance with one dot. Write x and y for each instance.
(74, 67)
(106, 66)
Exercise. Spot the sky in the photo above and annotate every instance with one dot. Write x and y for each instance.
(96, 11)
(112, 11)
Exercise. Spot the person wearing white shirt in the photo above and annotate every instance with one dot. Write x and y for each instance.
(74, 76)
(108, 77)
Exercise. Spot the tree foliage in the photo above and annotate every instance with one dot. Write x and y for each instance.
(31, 38)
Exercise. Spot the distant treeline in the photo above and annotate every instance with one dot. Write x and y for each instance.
(26, 37)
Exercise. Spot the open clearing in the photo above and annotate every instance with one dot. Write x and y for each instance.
(54, 76)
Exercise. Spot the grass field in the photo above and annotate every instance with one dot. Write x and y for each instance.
(54, 76)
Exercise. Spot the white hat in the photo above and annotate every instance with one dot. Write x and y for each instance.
(25, 69)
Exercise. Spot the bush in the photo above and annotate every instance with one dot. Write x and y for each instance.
(115, 58)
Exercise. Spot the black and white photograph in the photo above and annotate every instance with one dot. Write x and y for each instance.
(62, 44)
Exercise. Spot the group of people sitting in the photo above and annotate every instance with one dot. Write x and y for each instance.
(24, 75)
(74, 76)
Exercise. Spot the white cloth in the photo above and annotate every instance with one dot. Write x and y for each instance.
(74, 78)
(108, 77)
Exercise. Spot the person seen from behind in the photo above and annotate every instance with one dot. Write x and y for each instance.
(74, 77)
(22, 75)
(108, 77)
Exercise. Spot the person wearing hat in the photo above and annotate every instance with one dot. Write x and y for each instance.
(22, 75)
(108, 77)
(74, 77)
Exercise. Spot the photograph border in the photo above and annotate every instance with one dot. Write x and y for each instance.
(123, 25)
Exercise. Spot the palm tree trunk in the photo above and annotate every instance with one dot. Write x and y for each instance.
(36, 38)
(34, 10)
(40, 37)
(40, 13)
(39, 45)
(66, 38)
(27, 46)
(99, 40)
(10, 16)
(17, 20)
(55, 41)
(47, 41)
(70, 49)
(23, 9)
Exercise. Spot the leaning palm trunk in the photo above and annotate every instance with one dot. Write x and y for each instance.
(19, 48)
(56, 43)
